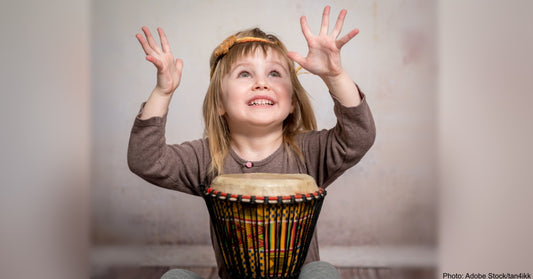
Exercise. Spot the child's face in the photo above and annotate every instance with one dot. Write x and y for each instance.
(257, 92)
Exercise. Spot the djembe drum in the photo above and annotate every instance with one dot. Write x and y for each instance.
(264, 222)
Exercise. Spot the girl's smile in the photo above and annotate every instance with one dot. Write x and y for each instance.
(257, 91)
(261, 101)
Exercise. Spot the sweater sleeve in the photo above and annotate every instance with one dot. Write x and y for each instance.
(329, 153)
(179, 167)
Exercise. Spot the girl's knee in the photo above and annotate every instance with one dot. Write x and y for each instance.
(180, 274)
(319, 270)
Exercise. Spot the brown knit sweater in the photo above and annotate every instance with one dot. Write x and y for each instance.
(183, 167)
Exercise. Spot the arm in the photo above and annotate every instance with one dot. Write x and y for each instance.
(177, 167)
(328, 153)
(323, 58)
(168, 73)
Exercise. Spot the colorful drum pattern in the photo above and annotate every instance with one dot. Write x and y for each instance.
(264, 236)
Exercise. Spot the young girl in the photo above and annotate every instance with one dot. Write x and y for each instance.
(258, 118)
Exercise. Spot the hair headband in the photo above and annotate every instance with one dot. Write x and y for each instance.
(229, 42)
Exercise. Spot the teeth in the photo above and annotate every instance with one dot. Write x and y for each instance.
(260, 102)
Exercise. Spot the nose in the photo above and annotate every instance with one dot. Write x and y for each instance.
(261, 84)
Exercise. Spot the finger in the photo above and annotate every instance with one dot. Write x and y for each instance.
(305, 28)
(157, 63)
(296, 57)
(325, 21)
(338, 25)
(144, 44)
(342, 41)
(179, 65)
(150, 39)
(163, 38)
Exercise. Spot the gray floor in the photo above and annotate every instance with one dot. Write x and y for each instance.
(146, 272)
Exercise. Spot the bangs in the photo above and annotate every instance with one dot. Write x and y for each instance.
(241, 50)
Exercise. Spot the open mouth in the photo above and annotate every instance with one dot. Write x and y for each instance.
(261, 102)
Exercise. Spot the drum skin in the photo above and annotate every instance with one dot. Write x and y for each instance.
(265, 184)
(264, 222)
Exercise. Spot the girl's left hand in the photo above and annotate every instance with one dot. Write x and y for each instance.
(323, 58)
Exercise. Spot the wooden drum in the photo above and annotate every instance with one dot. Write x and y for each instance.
(264, 222)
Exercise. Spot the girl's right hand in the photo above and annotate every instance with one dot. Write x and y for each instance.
(168, 69)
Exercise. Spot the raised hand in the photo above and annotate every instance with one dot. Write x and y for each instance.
(323, 58)
(168, 69)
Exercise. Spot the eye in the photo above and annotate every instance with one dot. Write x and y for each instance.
(274, 74)
(244, 74)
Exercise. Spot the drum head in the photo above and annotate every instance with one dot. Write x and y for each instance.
(265, 184)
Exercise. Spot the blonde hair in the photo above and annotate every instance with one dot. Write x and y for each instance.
(222, 58)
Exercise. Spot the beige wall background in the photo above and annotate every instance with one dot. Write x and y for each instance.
(485, 136)
(387, 199)
(72, 78)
